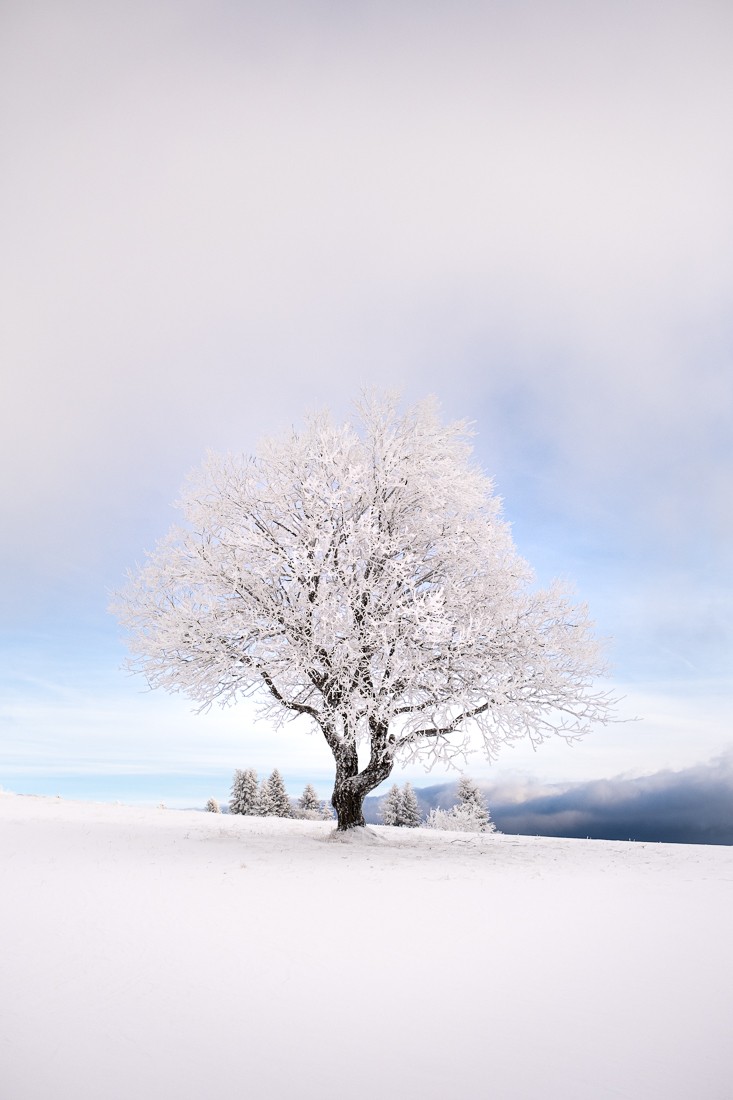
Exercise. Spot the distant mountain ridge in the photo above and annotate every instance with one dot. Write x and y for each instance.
(693, 806)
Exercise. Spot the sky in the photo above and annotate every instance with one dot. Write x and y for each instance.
(218, 217)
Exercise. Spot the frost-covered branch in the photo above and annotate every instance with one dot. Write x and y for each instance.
(361, 576)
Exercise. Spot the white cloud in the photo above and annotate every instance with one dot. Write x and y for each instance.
(217, 217)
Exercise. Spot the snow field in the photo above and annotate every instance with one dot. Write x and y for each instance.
(158, 953)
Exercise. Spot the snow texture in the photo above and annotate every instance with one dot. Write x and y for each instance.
(154, 953)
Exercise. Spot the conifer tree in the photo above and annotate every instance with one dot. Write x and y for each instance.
(235, 802)
(472, 804)
(309, 800)
(244, 792)
(390, 809)
(311, 808)
(213, 806)
(279, 796)
(468, 790)
(264, 806)
(249, 791)
(410, 811)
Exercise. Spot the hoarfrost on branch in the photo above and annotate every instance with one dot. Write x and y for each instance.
(361, 576)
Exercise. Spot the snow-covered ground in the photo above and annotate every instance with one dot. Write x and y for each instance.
(166, 954)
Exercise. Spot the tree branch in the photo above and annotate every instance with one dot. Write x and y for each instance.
(410, 738)
(289, 704)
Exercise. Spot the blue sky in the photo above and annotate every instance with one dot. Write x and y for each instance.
(218, 216)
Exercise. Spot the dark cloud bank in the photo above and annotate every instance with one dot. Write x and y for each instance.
(694, 806)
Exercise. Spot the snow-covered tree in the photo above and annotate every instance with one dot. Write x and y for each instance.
(473, 804)
(279, 796)
(390, 809)
(410, 811)
(250, 787)
(311, 808)
(468, 791)
(463, 818)
(469, 815)
(309, 799)
(264, 804)
(213, 806)
(244, 792)
(235, 796)
(360, 577)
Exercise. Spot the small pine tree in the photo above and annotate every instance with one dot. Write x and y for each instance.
(390, 809)
(264, 806)
(473, 804)
(234, 798)
(309, 799)
(249, 791)
(410, 811)
(467, 790)
(244, 792)
(310, 807)
(213, 806)
(279, 796)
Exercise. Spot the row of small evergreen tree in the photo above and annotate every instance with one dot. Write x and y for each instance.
(399, 807)
(269, 798)
(470, 813)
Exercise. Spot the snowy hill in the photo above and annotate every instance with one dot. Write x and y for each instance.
(151, 953)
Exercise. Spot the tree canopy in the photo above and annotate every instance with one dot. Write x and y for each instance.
(361, 576)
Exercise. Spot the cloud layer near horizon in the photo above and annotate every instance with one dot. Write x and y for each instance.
(689, 806)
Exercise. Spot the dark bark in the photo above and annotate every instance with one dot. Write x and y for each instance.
(348, 802)
(352, 786)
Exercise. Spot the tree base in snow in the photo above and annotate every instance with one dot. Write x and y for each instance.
(358, 834)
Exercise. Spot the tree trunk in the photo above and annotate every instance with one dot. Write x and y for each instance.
(352, 786)
(348, 802)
